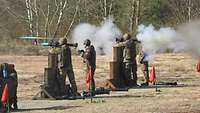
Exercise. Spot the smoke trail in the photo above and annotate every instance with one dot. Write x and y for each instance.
(185, 39)
(102, 36)
(155, 41)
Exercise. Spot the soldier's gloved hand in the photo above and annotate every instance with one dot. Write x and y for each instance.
(76, 45)
(60, 66)
(81, 51)
(13, 76)
(60, 71)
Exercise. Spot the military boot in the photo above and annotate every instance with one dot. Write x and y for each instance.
(15, 106)
(145, 84)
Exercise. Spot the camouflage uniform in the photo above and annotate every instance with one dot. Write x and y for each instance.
(12, 80)
(65, 64)
(129, 61)
(90, 60)
(134, 72)
(144, 67)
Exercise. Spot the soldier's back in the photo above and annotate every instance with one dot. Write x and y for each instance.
(129, 51)
(66, 57)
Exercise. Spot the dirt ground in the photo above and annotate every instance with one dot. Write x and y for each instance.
(169, 67)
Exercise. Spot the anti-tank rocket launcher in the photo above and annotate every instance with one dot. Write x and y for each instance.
(73, 44)
(118, 40)
(55, 44)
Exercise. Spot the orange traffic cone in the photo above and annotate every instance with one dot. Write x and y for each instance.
(152, 77)
(198, 66)
(5, 95)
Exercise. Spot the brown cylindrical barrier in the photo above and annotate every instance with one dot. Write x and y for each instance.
(117, 53)
(49, 76)
(52, 60)
(116, 72)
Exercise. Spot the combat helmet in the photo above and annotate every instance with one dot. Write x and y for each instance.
(126, 36)
(63, 41)
(87, 42)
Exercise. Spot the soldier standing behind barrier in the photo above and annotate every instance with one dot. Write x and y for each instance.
(144, 67)
(89, 56)
(134, 65)
(129, 59)
(65, 64)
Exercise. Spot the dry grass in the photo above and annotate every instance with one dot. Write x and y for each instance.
(169, 67)
(19, 47)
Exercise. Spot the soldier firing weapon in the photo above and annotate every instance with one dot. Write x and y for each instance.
(65, 66)
(59, 66)
(129, 58)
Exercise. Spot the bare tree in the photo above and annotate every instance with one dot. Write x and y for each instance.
(30, 16)
(185, 10)
(73, 19)
(62, 8)
(47, 21)
(133, 15)
(105, 8)
(110, 7)
(36, 17)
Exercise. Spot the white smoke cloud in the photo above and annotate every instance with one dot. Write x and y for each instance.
(102, 36)
(184, 39)
(190, 35)
(82, 32)
(155, 41)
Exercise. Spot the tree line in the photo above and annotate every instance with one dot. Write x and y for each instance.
(57, 18)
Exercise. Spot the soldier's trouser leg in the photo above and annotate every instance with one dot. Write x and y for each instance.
(12, 87)
(86, 70)
(15, 95)
(127, 72)
(146, 76)
(146, 83)
(134, 72)
(72, 81)
(92, 85)
(15, 101)
(62, 80)
(146, 72)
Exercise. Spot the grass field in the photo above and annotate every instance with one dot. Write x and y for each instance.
(169, 67)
